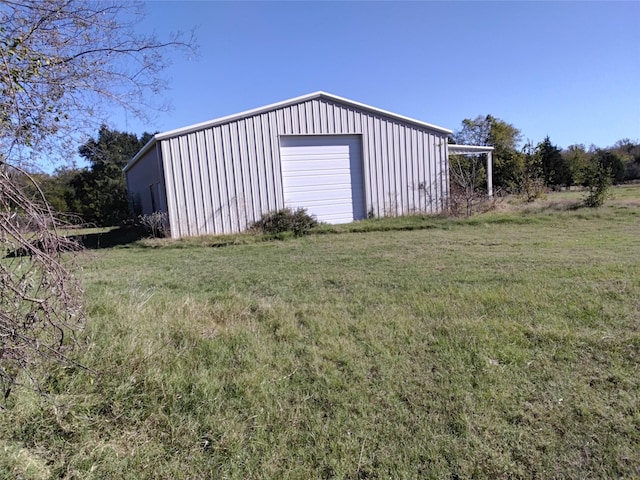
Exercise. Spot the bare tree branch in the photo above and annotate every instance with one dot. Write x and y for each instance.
(41, 305)
(63, 64)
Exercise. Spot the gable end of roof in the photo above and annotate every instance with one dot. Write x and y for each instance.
(274, 106)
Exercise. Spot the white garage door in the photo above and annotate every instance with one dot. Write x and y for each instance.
(324, 175)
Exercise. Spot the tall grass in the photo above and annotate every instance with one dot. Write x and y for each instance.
(503, 346)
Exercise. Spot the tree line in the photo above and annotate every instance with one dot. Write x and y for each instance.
(535, 168)
(554, 166)
(98, 195)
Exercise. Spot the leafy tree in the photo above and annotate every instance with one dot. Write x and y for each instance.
(509, 168)
(488, 130)
(62, 64)
(55, 188)
(612, 162)
(629, 152)
(508, 164)
(598, 183)
(555, 170)
(531, 185)
(578, 161)
(100, 191)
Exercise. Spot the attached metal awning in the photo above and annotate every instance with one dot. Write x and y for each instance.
(476, 150)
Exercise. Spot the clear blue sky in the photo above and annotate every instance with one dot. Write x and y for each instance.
(570, 70)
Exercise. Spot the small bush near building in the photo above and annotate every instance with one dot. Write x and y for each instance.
(156, 224)
(286, 220)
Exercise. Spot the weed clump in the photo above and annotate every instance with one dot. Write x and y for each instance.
(156, 224)
(297, 221)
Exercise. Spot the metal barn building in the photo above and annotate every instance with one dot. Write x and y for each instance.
(339, 159)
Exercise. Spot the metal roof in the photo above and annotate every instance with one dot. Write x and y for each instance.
(274, 106)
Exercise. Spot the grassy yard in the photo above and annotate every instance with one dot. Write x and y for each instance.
(502, 346)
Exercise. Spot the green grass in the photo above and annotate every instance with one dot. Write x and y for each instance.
(501, 346)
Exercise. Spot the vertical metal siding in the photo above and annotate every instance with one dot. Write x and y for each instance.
(222, 208)
(322, 107)
(250, 155)
(418, 168)
(148, 172)
(222, 178)
(436, 170)
(206, 220)
(421, 179)
(228, 161)
(397, 164)
(378, 169)
(267, 189)
(196, 181)
(214, 221)
(444, 171)
(388, 188)
(192, 194)
(368, 153)
(411, 166)
(405, 181)
(272, 133)
(180, 185)
(238, 175)
(430, 174)
(169, 186)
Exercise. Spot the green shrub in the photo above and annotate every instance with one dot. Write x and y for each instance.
(286, 220)
(598, 182)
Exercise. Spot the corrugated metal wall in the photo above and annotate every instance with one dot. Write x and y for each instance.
(145, 185)
(221, 178)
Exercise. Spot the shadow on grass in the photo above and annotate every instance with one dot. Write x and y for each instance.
(121, 236)
(113, 238)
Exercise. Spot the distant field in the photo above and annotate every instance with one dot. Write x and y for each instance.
(619, 194)
(502, 346)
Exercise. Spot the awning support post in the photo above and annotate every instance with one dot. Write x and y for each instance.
(490, 174)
